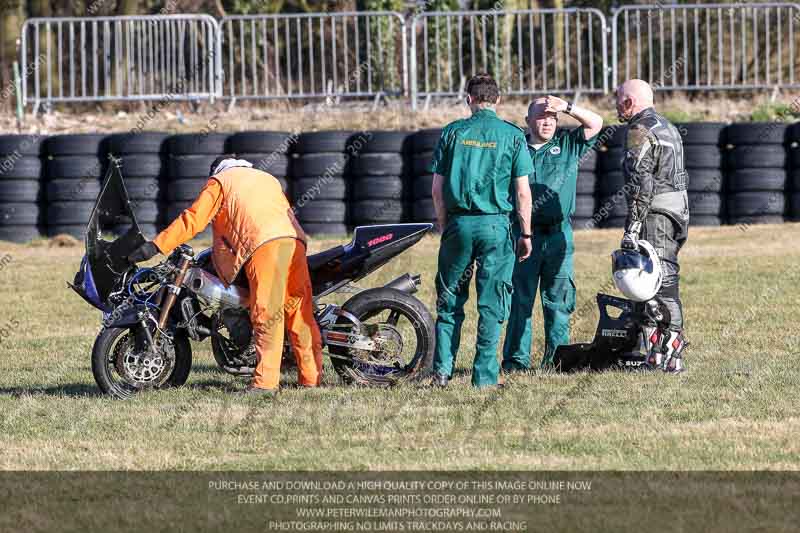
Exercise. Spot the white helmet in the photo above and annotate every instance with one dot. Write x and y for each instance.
(637, 273)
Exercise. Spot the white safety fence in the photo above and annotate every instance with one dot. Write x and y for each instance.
(708, 46)
(312, 55)
(119, 58)
(528, 52)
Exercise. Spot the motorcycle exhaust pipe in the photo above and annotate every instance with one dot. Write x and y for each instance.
(406, 283)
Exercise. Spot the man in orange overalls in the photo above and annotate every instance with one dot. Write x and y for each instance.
(255, 228)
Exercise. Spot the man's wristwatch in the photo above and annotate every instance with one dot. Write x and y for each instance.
(526, 235)
(569, 108)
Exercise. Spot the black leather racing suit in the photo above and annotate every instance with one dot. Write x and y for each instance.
(655, 185)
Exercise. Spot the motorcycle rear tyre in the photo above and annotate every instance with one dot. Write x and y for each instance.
(379, 299)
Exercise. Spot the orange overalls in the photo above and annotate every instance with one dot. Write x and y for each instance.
(255, 229)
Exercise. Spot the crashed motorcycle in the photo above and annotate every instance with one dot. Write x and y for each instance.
(378, 336)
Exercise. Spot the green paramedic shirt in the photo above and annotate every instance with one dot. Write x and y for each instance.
(554, 176)
(479, 157)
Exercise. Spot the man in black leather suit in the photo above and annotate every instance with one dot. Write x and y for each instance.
(655, 186)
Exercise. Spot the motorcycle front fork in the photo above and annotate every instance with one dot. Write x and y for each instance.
(173, 289)
(167, 302)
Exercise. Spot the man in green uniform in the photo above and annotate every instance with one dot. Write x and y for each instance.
(480, 170)
(555, 172)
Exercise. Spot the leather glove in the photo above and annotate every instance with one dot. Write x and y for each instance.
(146, 251)
(629, 241)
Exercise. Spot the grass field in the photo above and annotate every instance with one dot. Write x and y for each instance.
(737, 407)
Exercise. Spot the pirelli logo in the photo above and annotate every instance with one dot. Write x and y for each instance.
(618, 333)
(479, 144)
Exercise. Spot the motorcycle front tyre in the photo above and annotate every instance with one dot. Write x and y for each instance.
(101, 350)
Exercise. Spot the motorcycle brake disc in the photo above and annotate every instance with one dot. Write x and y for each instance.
(145, 368)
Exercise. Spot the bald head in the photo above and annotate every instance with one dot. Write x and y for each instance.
(639, 91)
(542, 123)
(633, 96)
(537, 107)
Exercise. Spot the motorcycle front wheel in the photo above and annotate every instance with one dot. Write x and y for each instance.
(121, 371)
(399, 325)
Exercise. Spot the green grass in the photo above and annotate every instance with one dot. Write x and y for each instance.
(681, 115)
(736, 408)
(776, 112)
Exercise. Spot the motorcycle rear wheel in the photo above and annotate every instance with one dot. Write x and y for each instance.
(408, 320)
(114, 343)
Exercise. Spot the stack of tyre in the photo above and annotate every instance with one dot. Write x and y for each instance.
(268, 151)
(20, 187)
(143, 159)
(794, 164)
(190, 158)
(74, 169)
(703, 161)
(585, 192)
(319, 186)
(612, 207)
(423, 143)
(756, 173)
(378, 177)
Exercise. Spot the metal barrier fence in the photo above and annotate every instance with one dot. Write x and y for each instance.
(529, 52)
(708, 46)
(366, 54)
(119, 58)
(314, 55)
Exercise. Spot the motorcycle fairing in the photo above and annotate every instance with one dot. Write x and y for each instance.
(85, 286)
(125, 316)
(615, 340)
(371, 248)
(105, 262)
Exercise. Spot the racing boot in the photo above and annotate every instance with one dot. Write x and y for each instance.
(654, 340)
(655, 334)
(675, 343)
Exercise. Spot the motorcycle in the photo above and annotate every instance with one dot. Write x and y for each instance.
(379, 336)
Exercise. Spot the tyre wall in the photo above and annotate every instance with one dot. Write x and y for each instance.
(320, 180)
(794, 165)
(74, 166)
(423, 144)
(335, 180)
(702, 149)
(757, 162)
(145, 167)
(612, 208)
(189, 163)
(379, 178)
(21, 187)
(586, 192)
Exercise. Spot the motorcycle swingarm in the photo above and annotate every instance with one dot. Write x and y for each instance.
(348, 339)
(343, 335)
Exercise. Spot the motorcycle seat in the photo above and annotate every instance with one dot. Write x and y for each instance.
(320, 259)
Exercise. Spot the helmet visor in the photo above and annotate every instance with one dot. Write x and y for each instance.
(630, 259)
